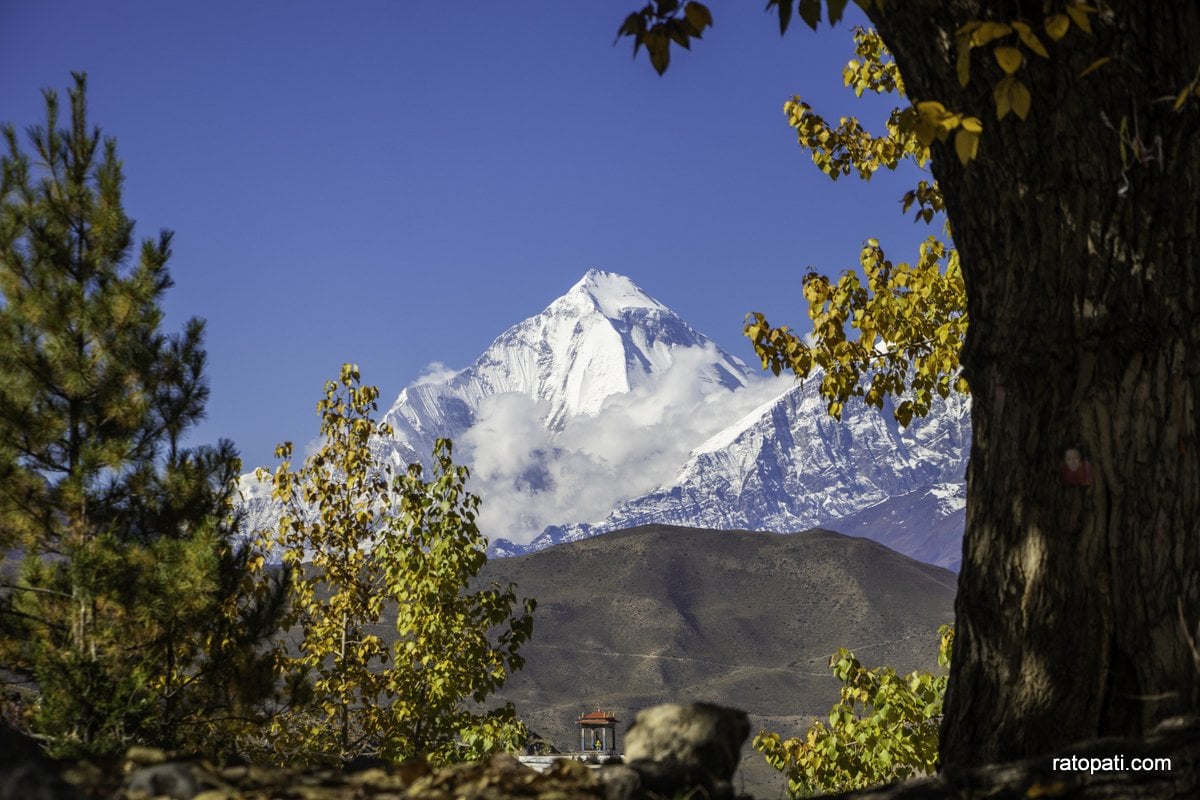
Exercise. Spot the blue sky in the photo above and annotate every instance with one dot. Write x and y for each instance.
(395, 183)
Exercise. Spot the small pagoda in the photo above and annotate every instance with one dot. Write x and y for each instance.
(598, 732)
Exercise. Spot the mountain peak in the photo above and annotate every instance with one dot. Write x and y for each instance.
(604, 337)
(611, 294)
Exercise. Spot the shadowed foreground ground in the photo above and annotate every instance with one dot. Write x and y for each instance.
(146, 773)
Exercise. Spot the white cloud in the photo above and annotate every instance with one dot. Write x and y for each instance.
(435, 372)
(529, 477)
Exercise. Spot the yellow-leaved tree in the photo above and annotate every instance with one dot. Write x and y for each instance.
(366, 543)
(883, 728)
(910, 319)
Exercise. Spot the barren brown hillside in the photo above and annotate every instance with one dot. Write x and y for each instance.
(661, 613)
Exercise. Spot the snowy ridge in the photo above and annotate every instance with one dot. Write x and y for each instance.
(612, 294)
(607, 410)
(926, 523)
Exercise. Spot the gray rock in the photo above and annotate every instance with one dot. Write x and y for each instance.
(696, 738)
(172, 779)
(621, 782)
(34, 780)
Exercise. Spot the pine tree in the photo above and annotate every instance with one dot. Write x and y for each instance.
(362, 541)
(134, 612)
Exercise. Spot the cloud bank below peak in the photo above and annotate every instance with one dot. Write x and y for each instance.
(530, 476)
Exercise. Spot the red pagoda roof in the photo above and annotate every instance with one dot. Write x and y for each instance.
(598, 718)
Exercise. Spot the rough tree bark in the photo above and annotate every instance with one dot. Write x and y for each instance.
(1075, 603)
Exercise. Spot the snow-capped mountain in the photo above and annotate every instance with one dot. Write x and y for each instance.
(604, 337)
(607, 410)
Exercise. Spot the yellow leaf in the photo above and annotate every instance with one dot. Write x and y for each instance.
(658, 46)
(1079, 14)
(1020, 98)
(1057, 25)
(929, 123)
(1030, 38)
(1095, 65)
(1000, 95)
(972, 125)
(964, 65)
(989, 31)
(966, 144)
(968, 28)
(926, 131)
(698, 15)
(1009, 58)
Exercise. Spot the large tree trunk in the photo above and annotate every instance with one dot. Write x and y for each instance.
(1076, 604)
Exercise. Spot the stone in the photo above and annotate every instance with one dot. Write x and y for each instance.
(621, 782)
(175, 780)
(145, 756)
(680, 750)
(696, 737)
(34, 780)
